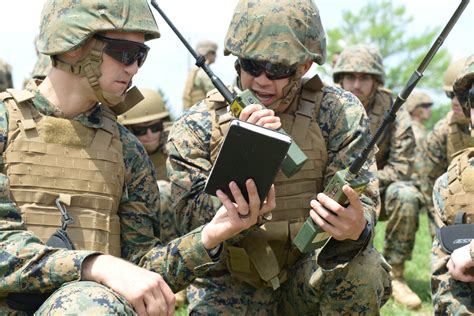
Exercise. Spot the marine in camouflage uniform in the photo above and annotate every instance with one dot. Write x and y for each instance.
(264, 274)
(449, 135)
(359, 69)
(452, 196)
(6, 80)
(147, 121)
(198, 83)
(80, 161)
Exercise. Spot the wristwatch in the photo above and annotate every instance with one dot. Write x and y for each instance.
(215, 252)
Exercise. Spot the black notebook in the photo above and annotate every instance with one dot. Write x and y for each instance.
(248, 152)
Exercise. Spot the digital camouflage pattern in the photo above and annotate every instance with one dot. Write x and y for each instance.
(66, 25)
(360, 58)
(6, 80)
(287, 32)
(450, 297)
(417, 98)
(463, 84)
(178, 262)
(341, 119)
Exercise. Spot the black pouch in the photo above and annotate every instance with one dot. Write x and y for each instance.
(455, 236)
(31, 302)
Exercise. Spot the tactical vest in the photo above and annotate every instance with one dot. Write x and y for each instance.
(191, 95)
(376, 112)
(459, 195)
(458, 139)
(159, 161)
(52, 161)
(263, 256)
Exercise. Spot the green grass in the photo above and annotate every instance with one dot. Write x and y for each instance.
(417, 270)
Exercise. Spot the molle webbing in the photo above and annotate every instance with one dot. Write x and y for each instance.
(457, 138)
(263, 256)
(460, 192)
(380, 106)
(86, 171)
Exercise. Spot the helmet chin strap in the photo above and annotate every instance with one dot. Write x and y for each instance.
(89, 68)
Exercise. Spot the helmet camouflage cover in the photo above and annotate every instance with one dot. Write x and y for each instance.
(151, 108)
(452, 73)
(360, 58)
(416, 99)
(284, 32)
(463, 84)
(204, 47)
(66, 25)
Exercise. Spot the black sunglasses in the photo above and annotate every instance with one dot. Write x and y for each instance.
(123, 51)
(142, 130)
(272, 71)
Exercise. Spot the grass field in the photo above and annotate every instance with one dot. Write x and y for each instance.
(417, 272)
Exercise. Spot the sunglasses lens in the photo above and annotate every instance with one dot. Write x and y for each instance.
(125, 52)
(272, 71)
(142, 130)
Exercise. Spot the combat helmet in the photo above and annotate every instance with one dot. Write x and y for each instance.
(462, 86)
(284, 32)
(360, 58)
(67, 25)
(454, 69)
(152, 107)
(204, 47)
(417, 98)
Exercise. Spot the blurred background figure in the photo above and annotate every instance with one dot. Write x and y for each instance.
(419, 106)
(6, 80)
(198, 83)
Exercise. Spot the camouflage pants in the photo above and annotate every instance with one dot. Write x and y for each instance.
(450, 297)
(80, 298)
(361, 287)
(402, 203)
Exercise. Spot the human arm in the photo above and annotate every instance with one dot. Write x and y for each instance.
(398, 165)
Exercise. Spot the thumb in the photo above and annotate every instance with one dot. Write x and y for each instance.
(352, 196)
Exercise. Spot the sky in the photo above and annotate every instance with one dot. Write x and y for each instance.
(168, 62)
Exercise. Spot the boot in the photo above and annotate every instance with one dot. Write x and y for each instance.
(181, 298)
(400, 290)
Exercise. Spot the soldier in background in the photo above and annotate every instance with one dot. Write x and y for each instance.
(450, 135)
(452, 279)
(6, 80)
(264, 273)
(360, 70)
(198, 83)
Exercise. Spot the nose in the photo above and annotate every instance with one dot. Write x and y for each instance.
(357, 83)
(132, 69)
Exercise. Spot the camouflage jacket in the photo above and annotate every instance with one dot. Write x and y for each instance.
(197, 86)
(396, 146)
(343, 123)
(28, 265)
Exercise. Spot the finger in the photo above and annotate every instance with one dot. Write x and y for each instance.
(331, 230)
(257, 115)
(273, 126)
(254, 199)
(169, 297)
(324, 213)
(270, 202)
(139, 306)
(353, 197)
(155, 302)
(248, 110)
(267, 119)
(242, 205)
(228, 204)
(330, 204)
